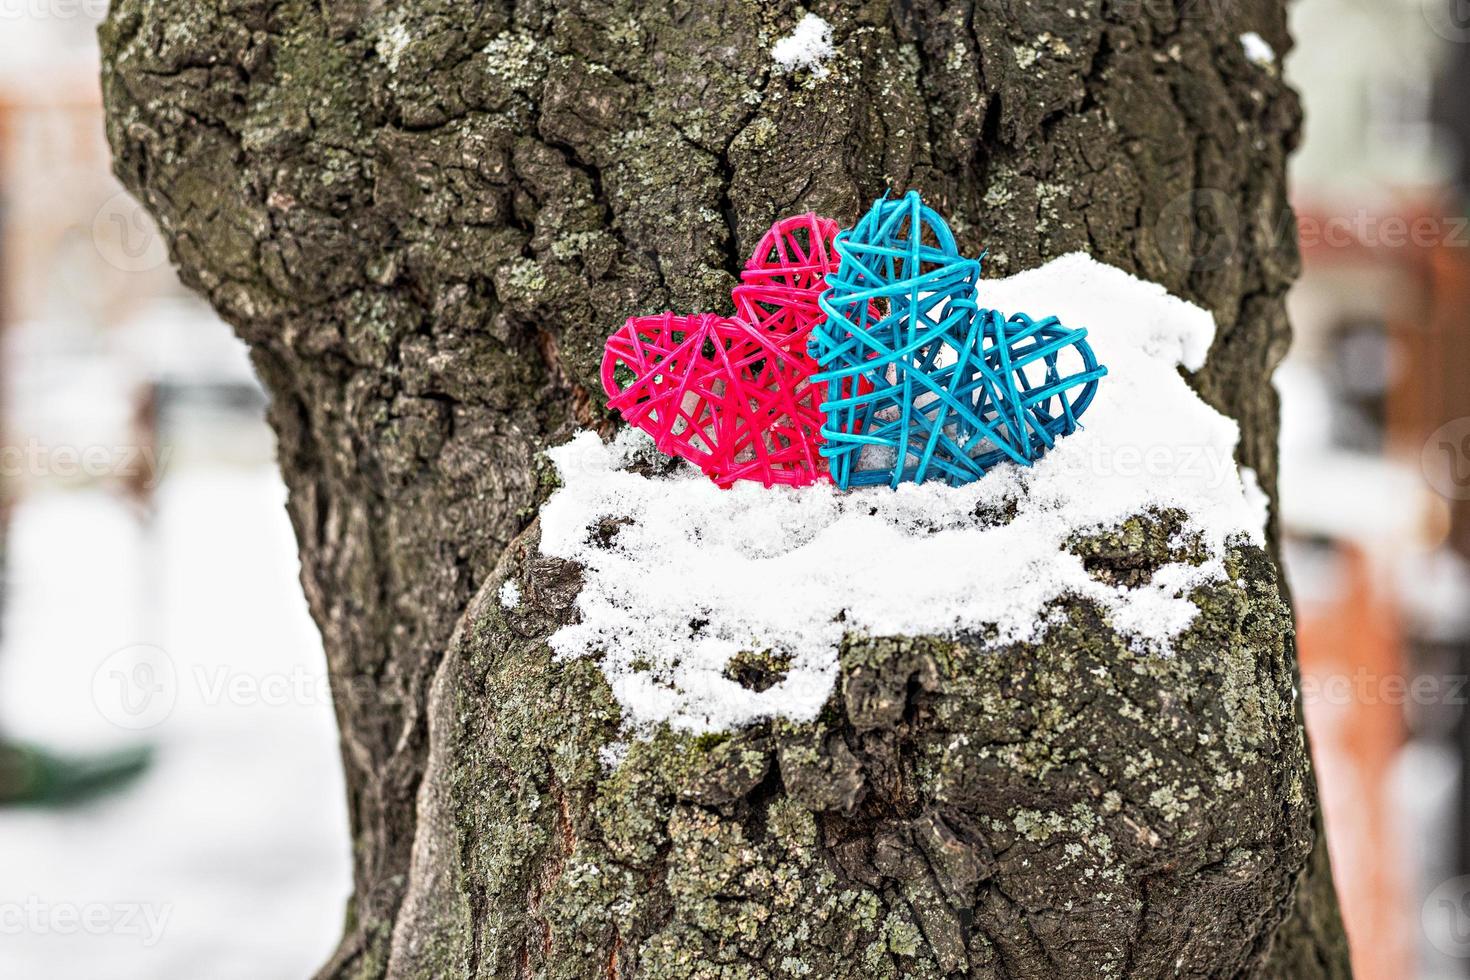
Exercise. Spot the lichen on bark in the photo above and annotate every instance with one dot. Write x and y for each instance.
(1067, 807)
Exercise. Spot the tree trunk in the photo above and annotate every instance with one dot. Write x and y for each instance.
(425, 217)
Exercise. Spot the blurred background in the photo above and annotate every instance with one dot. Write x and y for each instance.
(149, 596)
(166, 735)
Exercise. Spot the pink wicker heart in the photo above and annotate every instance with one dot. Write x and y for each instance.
(732, 394)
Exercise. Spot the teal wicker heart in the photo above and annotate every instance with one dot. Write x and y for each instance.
(922, 383)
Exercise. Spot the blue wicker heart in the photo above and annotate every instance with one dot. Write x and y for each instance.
(922, 384)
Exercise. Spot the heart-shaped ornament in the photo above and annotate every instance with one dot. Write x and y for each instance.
(923, 384)
(733, 395)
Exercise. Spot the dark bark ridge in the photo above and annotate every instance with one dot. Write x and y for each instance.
(424, 218)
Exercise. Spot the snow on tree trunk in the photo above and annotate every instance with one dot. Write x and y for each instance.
(425, 217)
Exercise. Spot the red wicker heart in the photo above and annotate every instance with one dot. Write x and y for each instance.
(732, 394)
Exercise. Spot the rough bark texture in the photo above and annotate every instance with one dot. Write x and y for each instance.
(1067, 809)
(425, 217)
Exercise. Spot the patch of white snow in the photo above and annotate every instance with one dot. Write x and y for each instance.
(1258, 50)
(808, 46)
(1255, 497)
(699, 574)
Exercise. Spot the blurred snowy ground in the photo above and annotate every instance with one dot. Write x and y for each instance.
(185, 629)
(166, 614)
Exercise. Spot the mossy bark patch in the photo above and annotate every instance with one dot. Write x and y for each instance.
(1057, 809)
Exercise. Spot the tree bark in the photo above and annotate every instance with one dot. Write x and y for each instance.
(424, 218)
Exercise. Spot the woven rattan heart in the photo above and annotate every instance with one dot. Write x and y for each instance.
(733, 395)
(921, 383)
